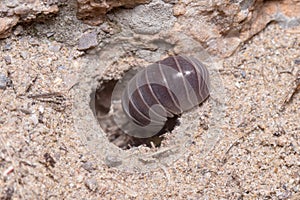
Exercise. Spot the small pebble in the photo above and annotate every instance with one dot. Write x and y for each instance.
(3, 81)
(105, 27)
(34, 118)
(33, 42)
(91, 184)
(297, 61)
(7, 47)
(79, 178)
(23, 55)
(19, 30)
(88, 166)
(7, 60)
(179, 10)
(41, 109)
(243, 73)
(2, 120)
(11, 3)
(112, 161)
(87, 41)
(50, 34)
(54, 48)
(22, 9)
(61, 67)
(238, 85)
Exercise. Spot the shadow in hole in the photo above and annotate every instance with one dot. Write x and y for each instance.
(101, 104)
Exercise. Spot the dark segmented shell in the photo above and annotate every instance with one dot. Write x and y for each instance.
(164, 89)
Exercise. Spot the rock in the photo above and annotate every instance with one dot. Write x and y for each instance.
(19, 30)
(152, 18)
(112, 161)
(297, 61)
(148, 19)
(88, 166)
(11, 3)
(106, 28)
(55, 47)
(243, 73)
(50, 34)
(3, 81)
(91, 184)
(221, 26)
(33, 42)
(24, 55)
(14, 11)
(7, 60)
(93, 12)
(6, 24)
(87, 41)
(7, 47)
(179, 10)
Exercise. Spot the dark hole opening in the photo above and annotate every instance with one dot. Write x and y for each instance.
(101, 105)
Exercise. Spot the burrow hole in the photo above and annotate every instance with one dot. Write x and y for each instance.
(102, 107)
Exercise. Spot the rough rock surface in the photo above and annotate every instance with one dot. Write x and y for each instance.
(87, 41)
(13, 11)
(147, 19)
(93, 12)
(221, 26)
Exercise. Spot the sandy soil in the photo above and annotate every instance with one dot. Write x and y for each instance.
(43, 157)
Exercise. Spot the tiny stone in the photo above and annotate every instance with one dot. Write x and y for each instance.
(3, 81)
(87, 41)
(112, 161)
(11, 3)
(105, 27)
(49, 34)
(279, 132)
(34, 118)
(79, 178)
(179, 10)
(23, 55)
(88, 166)
(91, 184)
(243, 73)
(33, 42)
(2, 120)
(22, 9)
(18, 30)
(297, 61)
(61, 67)
(7, 47)
(54, 48)
(7, 59)
(238, 85)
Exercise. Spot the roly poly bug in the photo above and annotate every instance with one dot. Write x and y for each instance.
(163, 90)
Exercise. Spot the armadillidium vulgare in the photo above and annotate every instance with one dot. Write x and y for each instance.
(163, 90)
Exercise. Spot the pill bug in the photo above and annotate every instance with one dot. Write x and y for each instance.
(163, 90)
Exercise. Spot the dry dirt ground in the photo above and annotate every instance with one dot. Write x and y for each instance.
(43, 157)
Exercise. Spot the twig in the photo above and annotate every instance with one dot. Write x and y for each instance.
(45, 95)
(57, 99)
